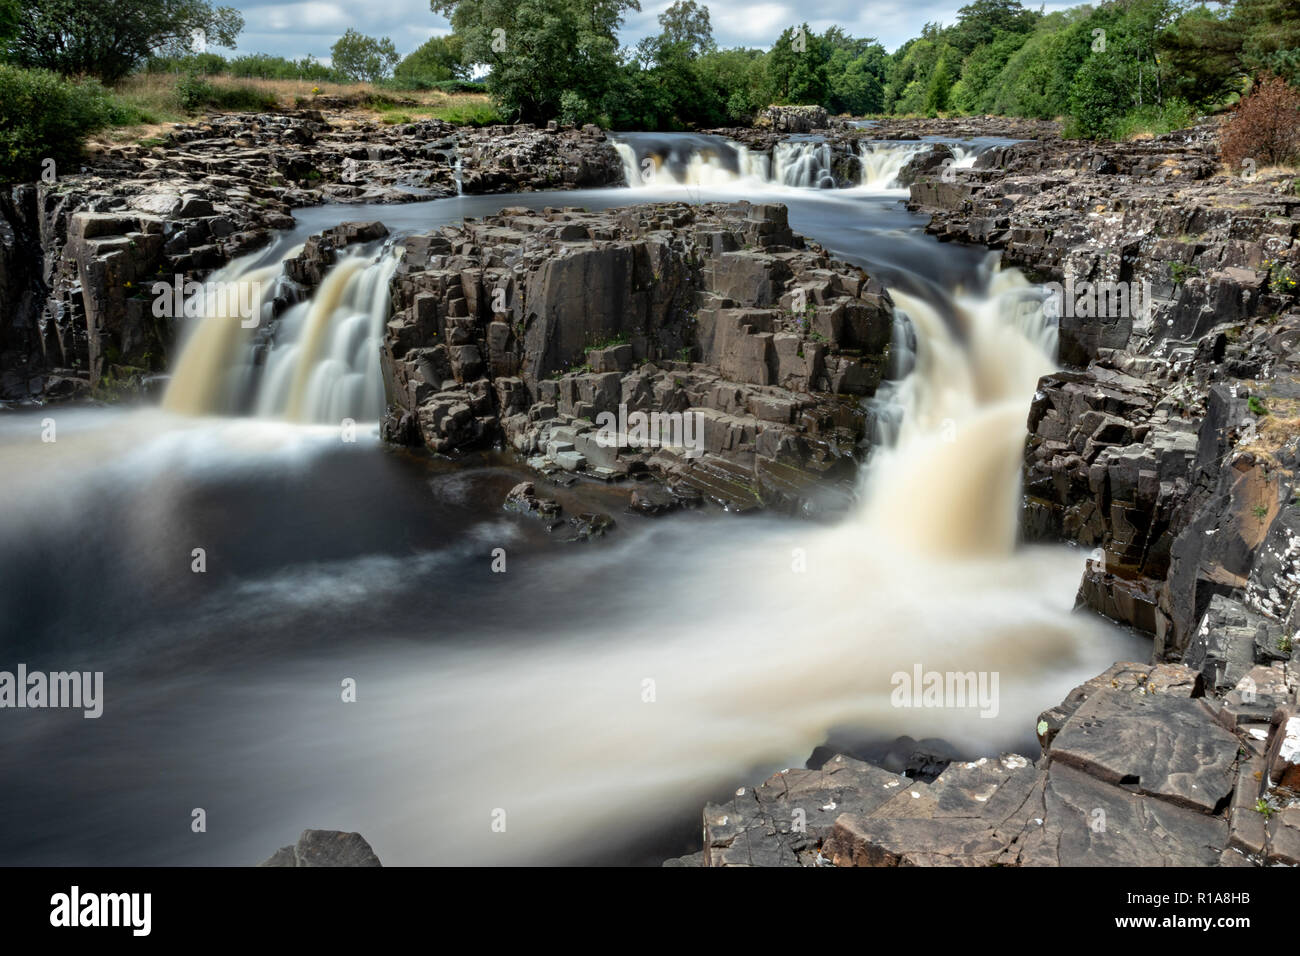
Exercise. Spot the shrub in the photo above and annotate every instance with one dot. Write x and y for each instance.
(1265, 128)
(43, 116)
(195, 94)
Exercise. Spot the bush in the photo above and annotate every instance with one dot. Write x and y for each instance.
(474, 114)
(43, 116)
(1265, 127)
(195, 94)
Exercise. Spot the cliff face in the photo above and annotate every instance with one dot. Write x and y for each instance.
(79, 255)
(1169, 447)
(1168, 444)
(531, 326)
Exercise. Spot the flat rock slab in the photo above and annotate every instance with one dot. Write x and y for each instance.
(781, 822)
(1167, 747)
(967, 817)
(1176, 680)
(1085, 822)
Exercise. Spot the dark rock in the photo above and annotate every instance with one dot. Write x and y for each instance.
(325, 848)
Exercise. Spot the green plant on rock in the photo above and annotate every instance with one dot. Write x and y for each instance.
(1283, 281)
(1260, 512)
(1257, 406)
(1262, 806)
(1180, 272)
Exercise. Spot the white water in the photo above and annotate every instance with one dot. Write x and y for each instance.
(323, 365)
(797, 164)
(752, 662)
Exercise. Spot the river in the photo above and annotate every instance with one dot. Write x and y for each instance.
(526, 691)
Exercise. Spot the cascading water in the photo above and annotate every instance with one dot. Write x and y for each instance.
(523, 691)
(935, 578)
(323, 360)
(803, 164)
(688, 159)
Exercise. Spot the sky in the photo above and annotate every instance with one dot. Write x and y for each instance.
(311, 26)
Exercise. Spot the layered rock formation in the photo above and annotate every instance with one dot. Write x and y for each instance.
(1138, 768)
(528, 327)
(1168, 447)
(79, 254)
(1169, 443)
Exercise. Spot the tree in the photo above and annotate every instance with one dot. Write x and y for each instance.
(538, 49)
(797, 65)
(109, 40)
(438, 58)
(854, 86)
(686, 25)
(11, 12)
(1211, 51)
(936, 94)
(983, 21)
(362, 58)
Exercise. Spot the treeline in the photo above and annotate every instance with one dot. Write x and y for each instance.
(1107, 69)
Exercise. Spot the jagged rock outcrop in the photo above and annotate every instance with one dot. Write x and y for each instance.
(325, 848)
(78, 255)
(1140, 767)
(499, 159)
(793, 119)
(717, 320)
(1167, 445)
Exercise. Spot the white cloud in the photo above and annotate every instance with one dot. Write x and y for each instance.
(312, 26)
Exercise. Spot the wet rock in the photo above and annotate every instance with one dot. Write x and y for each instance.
(325, 848)
(683, 355)
(1167, 747)
(523, 499)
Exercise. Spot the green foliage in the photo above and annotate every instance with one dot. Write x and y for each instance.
(44, 116)
(438, 59)
(1256, 406)
(1116, 69)
(984, 21)
(362, 58)
(109, 40)
(939, 89)
(539, 49)
(196, 94)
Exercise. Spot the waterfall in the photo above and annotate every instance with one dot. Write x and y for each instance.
(322, 364)
(690, 159)
(803, 164)
(882, 162)
(687, 159)
(925, 572)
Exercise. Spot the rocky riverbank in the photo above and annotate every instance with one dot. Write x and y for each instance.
(530, 327)
(79, 254)
(1169, 446)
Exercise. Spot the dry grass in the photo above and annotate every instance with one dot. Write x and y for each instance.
(155, 99)
(1276, 429)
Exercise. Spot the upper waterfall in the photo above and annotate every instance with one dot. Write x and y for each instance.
(316, 362)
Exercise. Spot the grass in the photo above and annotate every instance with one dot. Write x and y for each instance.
(1277, 425)
(151, 103)
(1152, 121)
